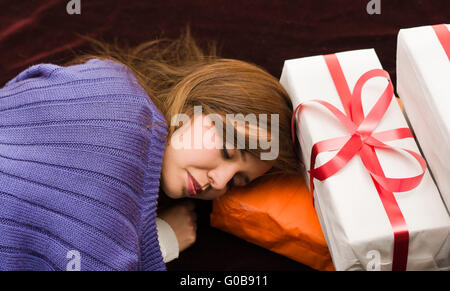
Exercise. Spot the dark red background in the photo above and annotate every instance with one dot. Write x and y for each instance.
(265, 32)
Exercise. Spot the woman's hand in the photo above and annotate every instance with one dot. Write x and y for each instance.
(183, 220)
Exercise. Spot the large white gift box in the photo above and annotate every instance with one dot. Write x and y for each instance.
(423, 84)
(354, 221)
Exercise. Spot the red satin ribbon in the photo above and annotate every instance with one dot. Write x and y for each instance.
(363, 141)
(443, 35)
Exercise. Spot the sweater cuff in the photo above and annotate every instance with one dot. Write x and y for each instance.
(168, 241)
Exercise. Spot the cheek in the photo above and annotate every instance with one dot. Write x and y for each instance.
(197, 146)
(200, 157)
(192, 158)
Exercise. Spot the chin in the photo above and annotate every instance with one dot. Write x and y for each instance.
(172, 194)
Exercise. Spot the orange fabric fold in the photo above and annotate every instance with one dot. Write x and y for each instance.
(276, 213)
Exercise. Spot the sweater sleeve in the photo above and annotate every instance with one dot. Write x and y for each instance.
(80, 161)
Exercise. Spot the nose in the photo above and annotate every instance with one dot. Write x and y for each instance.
(220, 176)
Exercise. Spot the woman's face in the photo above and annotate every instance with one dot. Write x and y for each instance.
(214, 168)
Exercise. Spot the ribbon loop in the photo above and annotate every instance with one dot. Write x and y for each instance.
(366, 125)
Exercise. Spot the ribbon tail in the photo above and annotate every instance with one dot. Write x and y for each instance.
(395, 216)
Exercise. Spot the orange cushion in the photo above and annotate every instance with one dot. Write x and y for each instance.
(276, 213)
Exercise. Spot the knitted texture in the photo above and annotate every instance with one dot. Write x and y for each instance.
(79, 170)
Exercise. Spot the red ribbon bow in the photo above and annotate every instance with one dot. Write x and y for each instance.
(363, 141)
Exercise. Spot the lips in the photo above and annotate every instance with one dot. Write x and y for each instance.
(193, 186)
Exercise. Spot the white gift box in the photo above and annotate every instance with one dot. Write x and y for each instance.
(355, 224)
(423, 84)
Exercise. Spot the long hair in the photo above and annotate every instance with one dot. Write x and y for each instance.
(177, 75)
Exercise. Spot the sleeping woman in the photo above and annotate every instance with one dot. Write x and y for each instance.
(87, 147)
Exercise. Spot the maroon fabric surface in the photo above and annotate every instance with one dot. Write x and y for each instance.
(265, 32)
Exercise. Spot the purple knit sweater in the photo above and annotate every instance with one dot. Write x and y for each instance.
(79, 170)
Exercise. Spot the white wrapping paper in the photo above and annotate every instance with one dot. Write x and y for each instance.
(350, 211)
(423, 84)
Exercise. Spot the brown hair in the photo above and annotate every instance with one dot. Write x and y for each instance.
(177, 75)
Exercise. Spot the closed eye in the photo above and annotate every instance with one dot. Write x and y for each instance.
(244, 181)
(244, 177)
